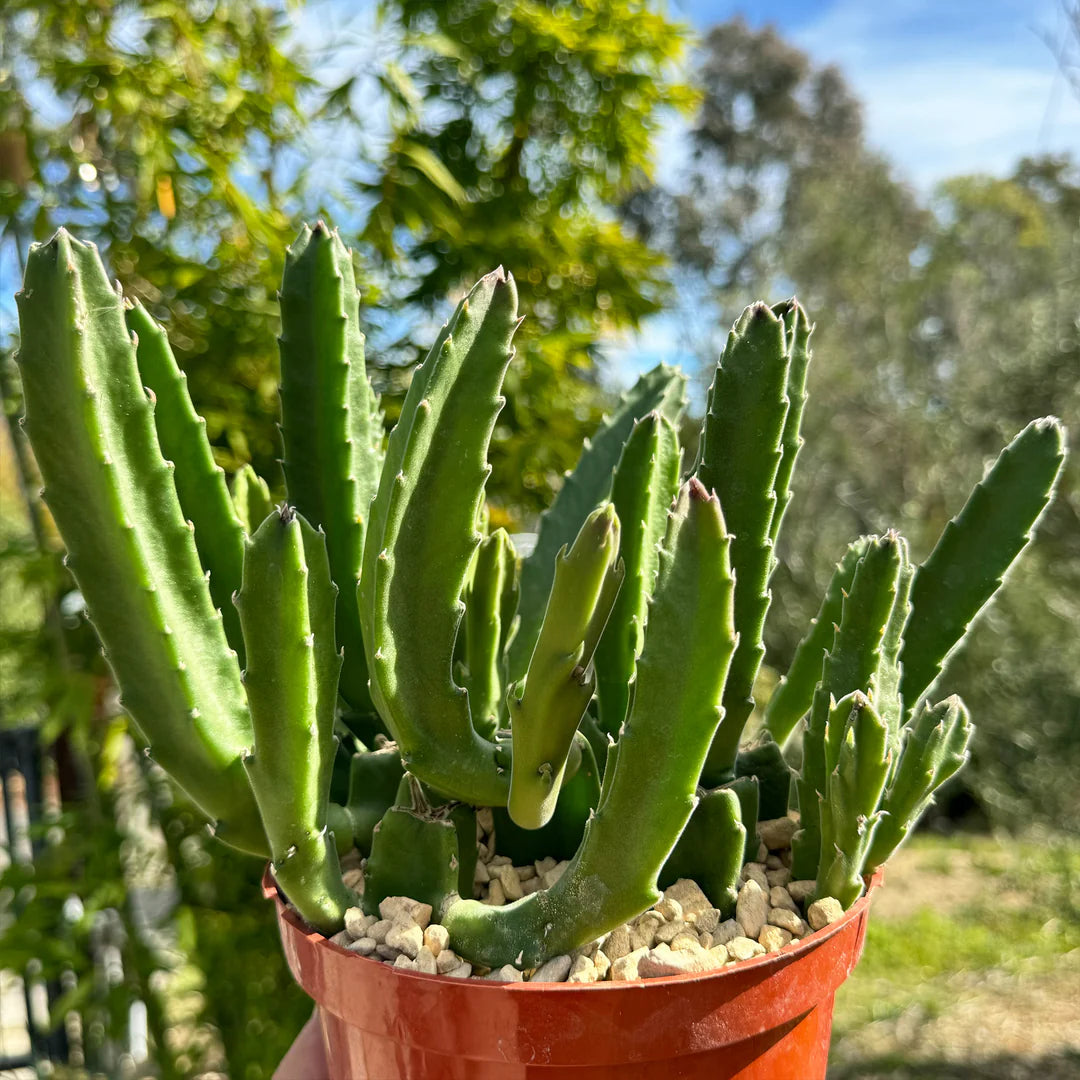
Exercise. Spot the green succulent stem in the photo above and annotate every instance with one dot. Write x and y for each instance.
(490, 598)
(975, 551)
(648, 793)
(792, 698)
(129, 546)
(200, 481)
(545, 711)
(934, 746)
(286, 609)
(849, 808)
(645, 483)
(739, 458)
(661, 390)
(420, 543)
(330, 422)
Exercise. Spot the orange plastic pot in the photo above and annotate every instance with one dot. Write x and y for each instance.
(765, 1019)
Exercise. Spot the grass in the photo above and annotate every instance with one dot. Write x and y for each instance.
(968, 925)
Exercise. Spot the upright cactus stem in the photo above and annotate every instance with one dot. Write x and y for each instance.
(490, 599)
(646, 480)
(286, 609)
(132, 552)
(976, 549)
(792, 698)
(200, 482)
(934, 747)
(849, 809)
(662, 390)
(852, 664)
(745, 423)
(546, 709)
(420, 542)
(331, 423)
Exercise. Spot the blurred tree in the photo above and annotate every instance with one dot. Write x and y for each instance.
(516, 129)
(162, 133)
(942, 329)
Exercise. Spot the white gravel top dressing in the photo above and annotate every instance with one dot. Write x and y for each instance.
(680, 934)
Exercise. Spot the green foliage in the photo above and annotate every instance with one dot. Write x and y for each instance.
(519, 128)
(286, 609)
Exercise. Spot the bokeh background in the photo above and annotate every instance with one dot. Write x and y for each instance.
(908, 170)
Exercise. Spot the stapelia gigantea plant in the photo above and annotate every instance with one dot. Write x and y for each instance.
(374, 599)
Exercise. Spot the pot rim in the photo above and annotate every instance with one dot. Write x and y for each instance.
(788, 954)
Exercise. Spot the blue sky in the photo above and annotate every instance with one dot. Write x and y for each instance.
(949, 86)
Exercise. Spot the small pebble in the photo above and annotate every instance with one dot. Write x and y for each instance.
(788, 920)
(780, 897)
(485, 819)
(720, 953)
(498, 860)
(357, 923)
(776, 833)
(777, 877)
(753, 871)
(625, 969)
(659, 961)
(617, 943)
(342, 938)
(401, 909)
(495, 897)
(462, 971)
(525, 872)
(801, 891)
(365, 946)
(670, 908)
(580, 966)
(379, 930)
(511, 883)
(685, 941)
(388, 953)
(533, 884)
(446, 961)
(772, 862)
(707, 921)
(480, 874)
(551, 876)
(725, 932)
(353, 879)
(751, 908)
(689, 896)
(406, 939)
(824, 911)
(743, 948)
(762, 853)
(507, 973)
(556, 970)
(544, 865)
(774, 938)
(425, 961)
(668, 932)
(602, 963)
(436, 938)
(404, 962)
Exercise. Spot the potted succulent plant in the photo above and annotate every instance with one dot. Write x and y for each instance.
(542, 744)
